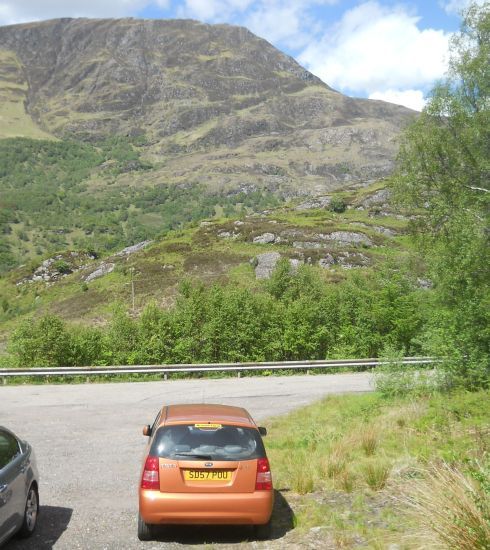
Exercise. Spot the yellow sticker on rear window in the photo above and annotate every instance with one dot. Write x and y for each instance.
(208, 426)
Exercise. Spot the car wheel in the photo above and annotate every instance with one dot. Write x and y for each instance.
(263, 532)
(145, 531)
(30, 513)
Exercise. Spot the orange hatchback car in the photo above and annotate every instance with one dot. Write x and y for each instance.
(205, 464)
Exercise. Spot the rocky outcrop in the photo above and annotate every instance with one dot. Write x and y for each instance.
(59, 266)
(102, 270)
(265, 238)
(322, 240)
(318, 202)
(380, 198)
(347, 260)
(133, 248)
(265, 264)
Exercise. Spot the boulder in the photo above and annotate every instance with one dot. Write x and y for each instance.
(380, 197)
(265, 238)
(102, 270)
(326, 262)
(133, 248)
(318, 202)
(265, 264)
(346, 237)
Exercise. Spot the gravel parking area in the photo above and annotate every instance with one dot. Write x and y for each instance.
(88, 444)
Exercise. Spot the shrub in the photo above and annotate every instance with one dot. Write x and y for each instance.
(337, 205)
(43, 343)
(62, 267)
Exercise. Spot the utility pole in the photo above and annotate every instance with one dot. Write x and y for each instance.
(131, 270)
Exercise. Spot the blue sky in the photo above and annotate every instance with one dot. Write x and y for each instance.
(379, 49)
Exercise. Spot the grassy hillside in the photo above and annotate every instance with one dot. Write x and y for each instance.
(369, 472)
(220, 250)
(66, 194)
(15, 120)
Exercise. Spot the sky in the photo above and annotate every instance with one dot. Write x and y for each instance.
(379, 49)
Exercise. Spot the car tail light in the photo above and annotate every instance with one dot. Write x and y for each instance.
(151, 478)
(263, 482)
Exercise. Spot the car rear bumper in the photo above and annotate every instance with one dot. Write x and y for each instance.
(206, 508)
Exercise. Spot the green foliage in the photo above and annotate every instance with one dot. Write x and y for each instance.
(62, 266)
(49, 187)
(396, 380)
(443, 178)
(43, 343)
(337, 205)
(294, 316)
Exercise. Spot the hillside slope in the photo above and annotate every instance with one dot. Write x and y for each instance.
(215, 103)
(351, 231)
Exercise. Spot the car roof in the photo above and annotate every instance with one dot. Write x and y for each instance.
(205, 412)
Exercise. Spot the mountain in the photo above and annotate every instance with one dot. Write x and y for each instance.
(116, 131)
(214, 103)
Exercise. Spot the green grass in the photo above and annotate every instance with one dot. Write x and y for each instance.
(342, 463)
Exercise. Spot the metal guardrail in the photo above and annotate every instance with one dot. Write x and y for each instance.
(209, 367)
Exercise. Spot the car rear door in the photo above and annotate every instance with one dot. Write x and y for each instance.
(12, 484)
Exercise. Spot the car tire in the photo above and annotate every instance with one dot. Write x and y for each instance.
(263, 532)
(145, 531)
(31, 513)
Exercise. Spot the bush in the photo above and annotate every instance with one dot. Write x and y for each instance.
(62, 267)
(43, 343)
(338, 205)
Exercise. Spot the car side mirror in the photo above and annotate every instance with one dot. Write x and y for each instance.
(147, 430)
(262, 430)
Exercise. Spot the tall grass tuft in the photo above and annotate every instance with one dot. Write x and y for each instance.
(376, 474)
(303, 482)
(346, 481)
(335, 463)
(452, 510)
(369, 440)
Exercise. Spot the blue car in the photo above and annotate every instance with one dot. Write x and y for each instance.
(19, 487)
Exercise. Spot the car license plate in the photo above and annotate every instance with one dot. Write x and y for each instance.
(207, 475)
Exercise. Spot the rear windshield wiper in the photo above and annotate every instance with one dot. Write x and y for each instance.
(194, 455)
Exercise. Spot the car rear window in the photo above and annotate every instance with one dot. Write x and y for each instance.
(195, 442)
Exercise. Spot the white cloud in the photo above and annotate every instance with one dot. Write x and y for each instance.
(279, 23)
(19, 11)
(213, 10)
(374, 49)
(286, 22)
(413, 99)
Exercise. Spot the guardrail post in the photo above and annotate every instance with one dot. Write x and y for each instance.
(239, 374)
(165, 376)
(4, 380)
